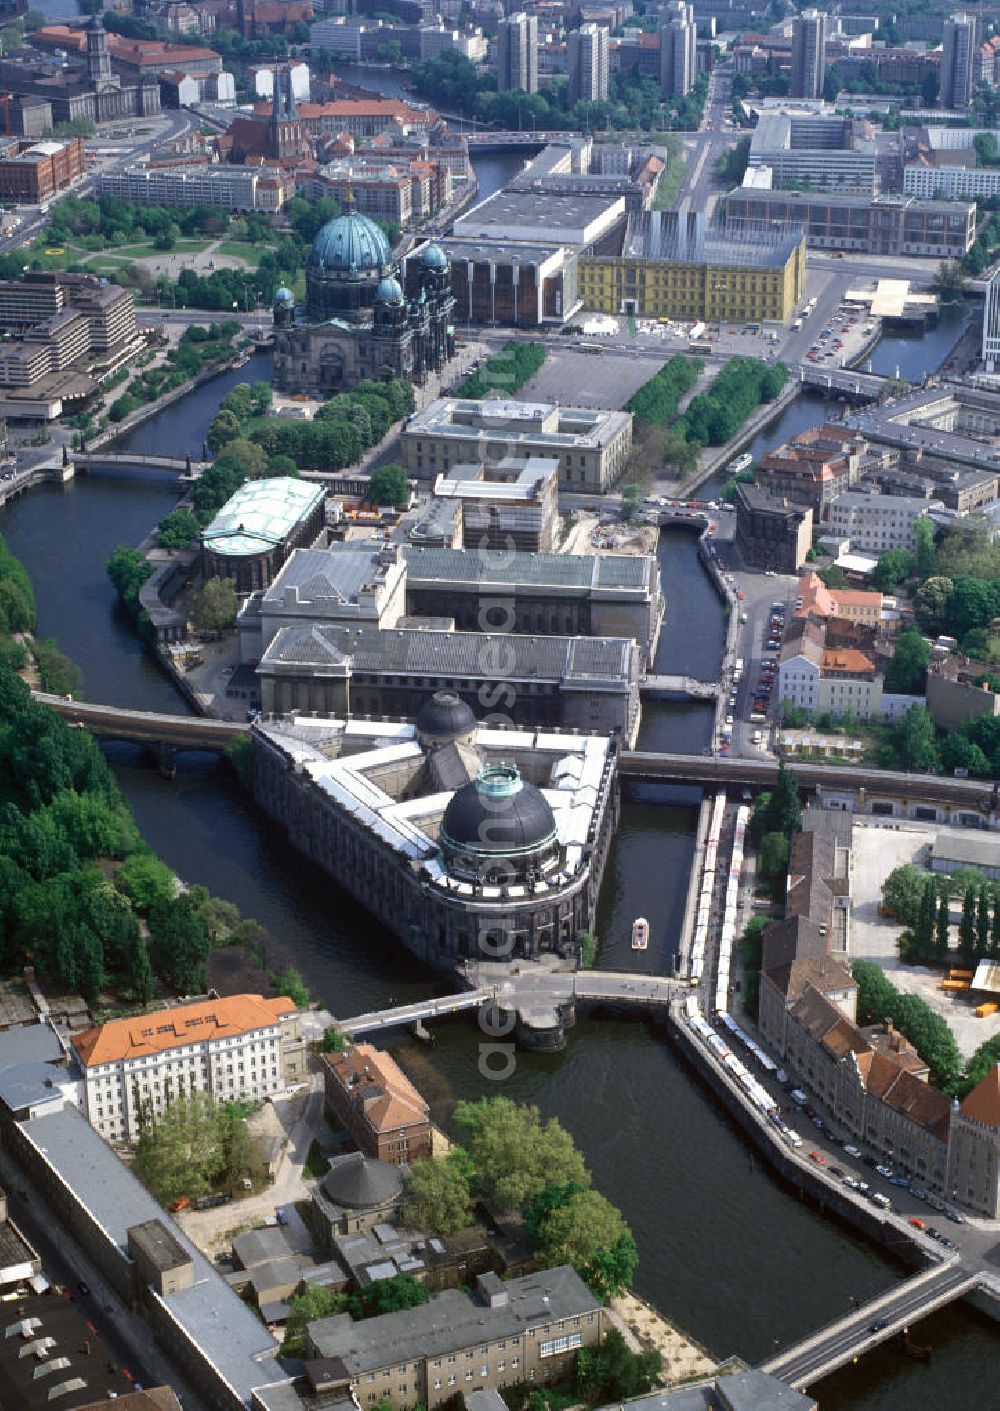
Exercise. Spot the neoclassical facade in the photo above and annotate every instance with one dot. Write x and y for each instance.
(357, 323)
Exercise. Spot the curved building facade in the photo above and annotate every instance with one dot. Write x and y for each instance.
(471, 844)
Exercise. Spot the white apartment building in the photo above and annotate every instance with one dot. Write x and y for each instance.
(229, 188)
(950, 182)
(874, 523)
(238, 1047)
(587, 63)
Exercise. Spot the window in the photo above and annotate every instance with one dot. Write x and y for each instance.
(554, 1346)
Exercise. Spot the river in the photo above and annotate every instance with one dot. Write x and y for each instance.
(727, 1252)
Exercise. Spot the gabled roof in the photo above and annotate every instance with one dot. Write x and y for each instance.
(825, 1023)
(388, 1098)
(983, 1103)
(904, 1093)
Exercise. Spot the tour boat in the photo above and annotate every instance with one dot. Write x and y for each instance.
(741, 463)
(640, 933)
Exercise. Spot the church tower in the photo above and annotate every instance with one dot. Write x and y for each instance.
(286, 138)
(98, 58)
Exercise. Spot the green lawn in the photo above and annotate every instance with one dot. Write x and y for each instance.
(242, 250)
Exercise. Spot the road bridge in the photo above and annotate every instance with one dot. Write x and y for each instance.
(843, 382)
(672, 687)
(884, 1317)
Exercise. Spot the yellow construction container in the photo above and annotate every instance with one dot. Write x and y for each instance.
(955, 987)
(983, 1011)
(960, 974)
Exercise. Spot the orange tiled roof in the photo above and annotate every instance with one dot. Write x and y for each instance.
(123, 1039)
(846, 659)
(983, 1103)
(389, 1098)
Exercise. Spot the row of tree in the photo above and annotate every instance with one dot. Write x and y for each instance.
(657, 400)
(198, 348)
(513, 1160)
(914, 743)
(715, 416)
(776, 818)
(879, 999)
(506, 372)
(196, 1146)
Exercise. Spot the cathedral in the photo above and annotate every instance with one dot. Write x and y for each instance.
(357, 321)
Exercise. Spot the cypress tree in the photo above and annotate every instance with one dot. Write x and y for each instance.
(941, 931)
(983, 923)
(967, 925)
(923, 930)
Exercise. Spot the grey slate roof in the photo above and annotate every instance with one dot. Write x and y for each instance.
(326, 575)
(230, 1335)
(357, 1180)
(548, 570)
(451, 1321)
(32, 1043)
(451, 654)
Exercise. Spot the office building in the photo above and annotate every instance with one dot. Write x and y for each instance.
(770, 533)
(887, 225)
(813, 468)
(678, 49)
(949, 181)
(85, 87)
(808, 54)
(592, 446)
(240, 1048)
(815, 152)
(876, 523)
(958, 61)
(587, 64)
(228, 188)
(991, 325)
(31, 172)
(671, 265)
(524, 1330)
(517, 53)
(423, 821)
(855, 605)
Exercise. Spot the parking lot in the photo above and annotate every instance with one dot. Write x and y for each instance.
(606, 379)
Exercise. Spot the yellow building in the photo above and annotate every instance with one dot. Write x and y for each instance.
(710, 277)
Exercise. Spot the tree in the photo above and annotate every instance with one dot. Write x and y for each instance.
(215, 607)
(144, 878)
(903, 891)
(178, 943)
(773, 863)
(438, 1196)
(923, 931)
(631, 502)
(140, 972)
(785, 810)
(914, 740)
(612, 1372)
(514, 1153)
(906, 673)
(941, 929)
(180, 1153)
(983, 923)
(893, 567)
(949, 282)
(931, 604)
(244, 458)
(588, 1232)
(387, 1296)
(128, 571)
(179, 530)
(291, 983)
(925, 552)
(388, 485)
(967, 925)
(313, 1303)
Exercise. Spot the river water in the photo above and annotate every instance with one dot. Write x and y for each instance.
(732, 1256)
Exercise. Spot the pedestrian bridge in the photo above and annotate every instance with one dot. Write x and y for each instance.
(423, 1010)
(145, 727)
(93, 462)
(884, 1317)
(670, 687)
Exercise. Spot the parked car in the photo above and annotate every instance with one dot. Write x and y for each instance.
(852, 1150)
(916, 1222)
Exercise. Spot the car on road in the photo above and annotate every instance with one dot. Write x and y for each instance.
(899, 1181)
(916, 1222)
(947, 1242)
(885, 1171)
(83, 1288)
(281, 1215)
(819, 1160)
(729, 720)
(816, 1121)
(879, 1325)
(852, 1150)
(851, 1183)
(933, 1231)
(955, 1215)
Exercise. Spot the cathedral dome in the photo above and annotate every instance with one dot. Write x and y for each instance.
(388, 291)
(434, 258)
(499, 814)
(284, 296)
(351, 242)
(444, 717)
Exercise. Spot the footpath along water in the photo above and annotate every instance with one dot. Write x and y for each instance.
(725, 1252)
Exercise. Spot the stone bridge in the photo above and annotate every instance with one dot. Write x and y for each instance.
(656, 687)
(93, 462)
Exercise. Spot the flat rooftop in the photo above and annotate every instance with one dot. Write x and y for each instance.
(548, 208)
(499, 252)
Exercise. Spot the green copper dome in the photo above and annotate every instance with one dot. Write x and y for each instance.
(351, 242)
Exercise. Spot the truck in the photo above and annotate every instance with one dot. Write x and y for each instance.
(796, 325)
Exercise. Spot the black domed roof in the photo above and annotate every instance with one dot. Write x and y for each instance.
(445, 716)
(498, 815)
(357, 1181)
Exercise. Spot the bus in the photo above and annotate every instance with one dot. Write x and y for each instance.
(590, 348)
(699, 347)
